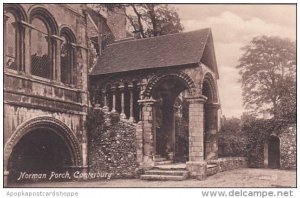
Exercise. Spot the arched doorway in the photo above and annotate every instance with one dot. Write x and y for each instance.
(274, 152)
(40, 146)
(171, 119)
(39, 151)
(211, 107)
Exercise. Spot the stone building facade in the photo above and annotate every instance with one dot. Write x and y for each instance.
(142, 79)
(46, 57)
(62, 59)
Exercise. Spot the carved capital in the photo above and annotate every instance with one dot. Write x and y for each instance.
(113, 88)
(147, 102)
(121, 87)
(196, 99)
(130, 87)
(103, 91)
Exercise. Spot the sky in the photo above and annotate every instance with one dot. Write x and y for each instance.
(234, 26)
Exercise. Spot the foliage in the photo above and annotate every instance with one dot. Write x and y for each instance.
(246, 137)
(232, 140)
(268, 70)
(94, 122)
(148, 19)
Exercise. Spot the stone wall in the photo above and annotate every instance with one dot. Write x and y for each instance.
(200, 170)
(27, 96)
(14, 116)
(288, 147)
(113, 151)
(230, 163)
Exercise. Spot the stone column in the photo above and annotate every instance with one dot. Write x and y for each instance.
(57, 62)
(84, 148)
(26, 28)
(73, 68)
(122, 89)
(196, 164)
(20, 48)
(113, 90)
(105, 101)
(5, 175)
(148, 132)
(130, 88)
(211, 131)
(141, 89)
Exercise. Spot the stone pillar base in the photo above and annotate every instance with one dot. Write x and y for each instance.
(85, 171)
(197, 170)
(5, 175)
(123, 116)
(148, 162)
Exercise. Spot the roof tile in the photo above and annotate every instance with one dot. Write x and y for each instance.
(155, 52)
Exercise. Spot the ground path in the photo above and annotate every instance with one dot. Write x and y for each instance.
(235, 178)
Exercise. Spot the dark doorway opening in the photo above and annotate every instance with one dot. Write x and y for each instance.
(274, 152)
(40, 151)
(171, 138)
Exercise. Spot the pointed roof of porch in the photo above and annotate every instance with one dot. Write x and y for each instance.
(157, 52)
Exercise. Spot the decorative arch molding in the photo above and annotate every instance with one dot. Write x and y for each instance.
(155, 80)
(210, 80)
(46, 122)
(64, 29)
(43, 14)
(17, 10)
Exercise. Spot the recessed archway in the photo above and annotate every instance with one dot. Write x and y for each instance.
(39, 151)
(211, 107)
(41, 145)
(171, 119)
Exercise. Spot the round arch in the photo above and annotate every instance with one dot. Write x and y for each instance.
(67, 31)
(155, 81)
(209, 86)
(43, 14)
(17, 10)
(51, 124)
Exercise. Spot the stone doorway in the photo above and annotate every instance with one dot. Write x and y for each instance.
(39, 151)
(274, 152)
(171, 121)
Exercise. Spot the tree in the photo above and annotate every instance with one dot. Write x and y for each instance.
(268, 70)
(231, 138)
(148, 19)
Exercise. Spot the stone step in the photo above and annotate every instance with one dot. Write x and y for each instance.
(160, 159)
(180, 166)
(163, 177)
(167, 172)
(163, 162)
(211, 165)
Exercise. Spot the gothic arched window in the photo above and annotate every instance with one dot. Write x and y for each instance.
(40, 49)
